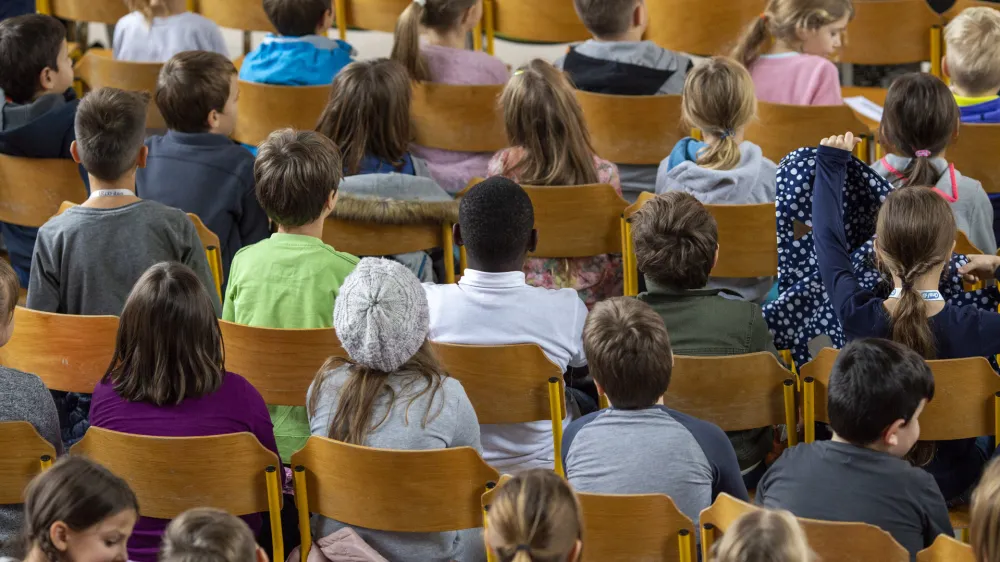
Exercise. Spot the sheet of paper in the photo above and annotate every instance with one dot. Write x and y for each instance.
(865, 107)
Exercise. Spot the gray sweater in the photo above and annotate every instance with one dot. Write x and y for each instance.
(450, 422)
(23, 397)
(86, 260)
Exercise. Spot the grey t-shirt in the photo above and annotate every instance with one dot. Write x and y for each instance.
(835, 481)
(450, 422)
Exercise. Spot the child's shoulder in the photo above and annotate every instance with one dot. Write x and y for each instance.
(462, 66)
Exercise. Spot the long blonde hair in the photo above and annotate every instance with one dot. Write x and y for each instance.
(782, 19)
(542, 117)
(719, 99)
(534, 517)
(764, 535)
(439, 15)
(984, 516)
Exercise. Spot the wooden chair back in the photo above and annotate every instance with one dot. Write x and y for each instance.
(265, 108)
(577, 221)
(870, 41)
(639, 527)
(375, 15)
(247, 15)
(552, 21)
(69, 353)
(779, 129)
(280, 364)
(31, 189)
(26, 455)
(972, 155)
(964, 246)
(718, 517)
(461, 118)
(946, 549)
(98, 11)
(213, 251)
(373, 239)
(852, 541)
(632, 129)
(748, 240)
(99, 70)
(709, 27)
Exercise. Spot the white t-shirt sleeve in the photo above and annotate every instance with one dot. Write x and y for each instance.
(577, 358)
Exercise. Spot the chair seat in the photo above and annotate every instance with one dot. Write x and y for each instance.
(959, 516)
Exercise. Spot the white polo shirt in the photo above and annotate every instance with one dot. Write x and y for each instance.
(501, 309)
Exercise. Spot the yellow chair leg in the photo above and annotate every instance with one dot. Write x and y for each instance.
(341, 15)
(605, 404)
(274, 510)
(43, 7)
(996, 417)
(963, 535)
(937, 51)
(556, 399)
(477, 36)
(633, 267)
(214, 265)
(626, 272)
(46, 462)
(809, 408)
(490, 17)
(448, 245)
(789, 388)
(192, 6)
(707, 540)
(684, 545)
(463, 260)
(302, 503)
(490, 557)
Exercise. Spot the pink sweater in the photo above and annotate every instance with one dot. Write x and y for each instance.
(796, 79)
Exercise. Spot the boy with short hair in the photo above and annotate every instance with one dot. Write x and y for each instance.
(300, 54)
(37, 107)
(195, 166)
(972, 62)
(638, 445)
(676, 246)
(291, 280)
(876, 393)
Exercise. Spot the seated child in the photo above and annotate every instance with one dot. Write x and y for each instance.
(638, 445)
(195, 167)
(391, 393)
(300, 54)
(676, 246)
(920, 120)
(492, 305)
(786, 51)
(984, 519)
(764, 535)
(156, 30)
(876, 392)
(205, 534)
(972, 63)
(725, 169)
(291, 279)
(37, 108)
(443, 57)
(535, 514)
(550, 146)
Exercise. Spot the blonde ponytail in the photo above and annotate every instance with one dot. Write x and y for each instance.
(406, 41)
(752, 43)
(535, 517)
(719, 99)
(782, 19)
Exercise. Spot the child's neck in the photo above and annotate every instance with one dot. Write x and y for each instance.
(967, 94)
(453, 38)
(174, 7)
(781, 47)
(929, 281)
(633, 35)
(36, 555)
(877, 446)
(126, 182)
(314, 229)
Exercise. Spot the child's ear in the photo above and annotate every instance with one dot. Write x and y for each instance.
(944, 67)
(639, 15)
(715, 260)
(533, 240)
(328, 20)
(262, 555)
(140, 162)
(332, 203)
(213, 120)
(891, 434)
(575, 554)
(47, 78)
(456, 233)
(74, 151)
(59, 535)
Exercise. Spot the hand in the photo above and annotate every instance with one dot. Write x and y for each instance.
(979, 268)
(843, 142)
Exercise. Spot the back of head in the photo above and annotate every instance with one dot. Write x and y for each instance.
(149, 8)
(10, 292)
(973, 51)
(169, 346)
(369, 113)
(873, 383)
(208, 535)
(534, 517)
(110, 130)
(496, 219)
(719, 99)
(541, 116)
(628, 351)
(441, 16)
(191, 85)
(295, 173)
(915, 234)
(919, 121)
(782, 19)
(984, 516)
(676, 240)
(763, 535)
(28, 45)
(296, 18)
(606, 19)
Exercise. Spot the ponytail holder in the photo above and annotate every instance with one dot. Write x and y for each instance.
(421, 3)
(524, 547)
(726, 133)
(923, 153)
(907, 285)
(763, 16)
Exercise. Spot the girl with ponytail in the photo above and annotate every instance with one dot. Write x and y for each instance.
(724, 169)
(156, 30)
(535, 517)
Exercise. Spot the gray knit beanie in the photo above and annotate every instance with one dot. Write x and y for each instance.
(381, 314)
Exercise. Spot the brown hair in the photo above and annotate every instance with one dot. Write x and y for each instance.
(353, 421)
(763, 534)
(676, 240)
(110, 130)
(206, 534)
(369, 113)
(972, 43)
(782, 19)
(920, 115)
(190, 86)
(296, 18)
(169, 345)
(534, 517)
(541, 116)
(606, 18)
(628, 351)
(10, 289)
(719, 99)
(28, 45)
(439, 15)
(295, 173)
(915, 234)
(984, 516)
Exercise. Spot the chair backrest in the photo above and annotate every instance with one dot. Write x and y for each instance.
(551, 21)
(852, 541)
(462, 118)
(31, 189)
(964, 246)
(972, 155)
(748, 240)
(99, 11)
(265, 108)
(709, 27)
(780, 129)
(213, 250)
(69, 353)
(389, 490)
(946, 549)
(577, 221)
(98, 69)
(246, 15)
(376, 239)
(632, 129)
(639, 527)
(25, 452)
(908, 40)
(280, 364)
(375, 15)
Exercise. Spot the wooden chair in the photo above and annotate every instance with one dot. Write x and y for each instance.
(946, 549)
(632, 129)
(964, 246)
(461, 118)
(388, 490)
(917, 37)
(509, 384)
(528, 21)
(638, 527)
(31, 189)
(709, 27)
(98, 70)
(375, 15)
(171, 475)
(26, 455)
(578, 221)
(69, 353)
(373, 239)
(265, 108)
(99, 11)
(780, 129)
(245, 15)
(972, 155)
(280, 364)
(213, 251)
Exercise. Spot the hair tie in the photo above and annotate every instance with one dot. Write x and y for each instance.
(523, 547)
(726, 133)
(421, 3)
(923, 153)
(763, 16)
(907, 285)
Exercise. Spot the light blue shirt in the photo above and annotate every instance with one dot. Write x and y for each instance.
(139, 41)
